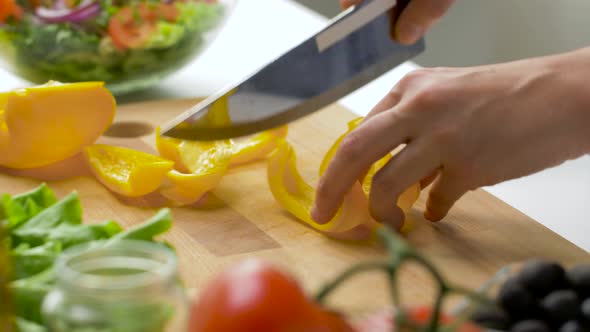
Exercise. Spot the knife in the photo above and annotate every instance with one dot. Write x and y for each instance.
(352, 50)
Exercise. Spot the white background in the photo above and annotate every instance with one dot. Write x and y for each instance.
(261, 30)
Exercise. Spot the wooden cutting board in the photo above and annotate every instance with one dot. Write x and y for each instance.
(480, 235)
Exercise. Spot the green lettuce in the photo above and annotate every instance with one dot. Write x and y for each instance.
(39, 227)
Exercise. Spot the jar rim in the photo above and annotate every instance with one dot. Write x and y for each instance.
(154, 264)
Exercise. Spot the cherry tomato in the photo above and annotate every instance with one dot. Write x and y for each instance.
(131, 26)
(383, 320)
(8, 9)
(254, 296)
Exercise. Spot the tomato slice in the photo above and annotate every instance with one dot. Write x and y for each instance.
(131, 26)
(8, 9)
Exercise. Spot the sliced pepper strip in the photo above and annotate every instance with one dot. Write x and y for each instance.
(187, 189)
(406, 199)
(353, 220)
(257, 147)
(211, 161)
(200, 166)
(126, 171)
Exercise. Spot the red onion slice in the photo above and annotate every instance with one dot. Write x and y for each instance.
(88, 9)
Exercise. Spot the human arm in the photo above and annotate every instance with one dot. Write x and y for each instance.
(465, 128)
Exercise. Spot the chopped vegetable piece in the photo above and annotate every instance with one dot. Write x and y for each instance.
(126, 171)
(16, 209)
(257, 147)
(189, 188)
(45, 124)
(37, 229)
(353, 220)
(160, 223)
(406, 199)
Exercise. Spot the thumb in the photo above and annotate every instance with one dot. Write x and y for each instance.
(444, 193)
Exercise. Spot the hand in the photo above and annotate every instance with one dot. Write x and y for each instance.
(464, 128)
(416, 19)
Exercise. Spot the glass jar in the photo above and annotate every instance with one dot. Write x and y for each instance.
(130, 286)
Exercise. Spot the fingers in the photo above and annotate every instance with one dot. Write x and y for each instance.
(358, 151)
(425, 182)
(416, 161)
(392, 98)
(445, 191)
(418, 17)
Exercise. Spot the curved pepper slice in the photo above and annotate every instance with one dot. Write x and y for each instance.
(126, 171)
(200, 166)
(406, 199)
(208, 163)
(353, 220)
(257, 147)
(45, 124)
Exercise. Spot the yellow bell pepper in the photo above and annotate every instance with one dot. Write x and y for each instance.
(200, 166)
(352, 221)
(126, 171)
(206, 162)
(257, 147)
(45, 124)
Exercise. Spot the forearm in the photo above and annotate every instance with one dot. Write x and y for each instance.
(574, 70)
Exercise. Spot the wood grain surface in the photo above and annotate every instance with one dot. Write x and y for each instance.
(480, 235)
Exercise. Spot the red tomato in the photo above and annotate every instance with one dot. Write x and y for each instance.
(131, 26)
(254, 296)
(9, 8)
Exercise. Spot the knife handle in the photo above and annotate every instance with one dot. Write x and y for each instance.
(396, 11)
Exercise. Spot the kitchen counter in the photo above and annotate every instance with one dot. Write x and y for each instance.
(261, 30)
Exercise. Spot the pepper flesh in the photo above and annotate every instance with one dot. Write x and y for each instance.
(200, 166)
(257, 147)
(353, 220)
(45, 124)
(126, 171)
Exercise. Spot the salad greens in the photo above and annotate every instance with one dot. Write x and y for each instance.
(37, 229)
(123, 43)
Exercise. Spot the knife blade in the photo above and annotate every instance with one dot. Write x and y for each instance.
(353, 49)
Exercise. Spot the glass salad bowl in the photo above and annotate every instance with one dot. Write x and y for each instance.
(128, 44)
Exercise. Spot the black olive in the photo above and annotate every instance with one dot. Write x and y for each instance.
(530, 325)
(491, 317)
(561, 305)
(541, 277)
(573, 326)
(579, 278)
(516, 300)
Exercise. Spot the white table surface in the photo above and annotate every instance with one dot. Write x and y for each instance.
(261, 30)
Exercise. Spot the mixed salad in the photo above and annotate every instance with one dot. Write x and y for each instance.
(115, 41)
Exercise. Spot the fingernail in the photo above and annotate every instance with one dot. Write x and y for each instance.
(315, 214)
(430, 216)
(409, 33)
(394, 223)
